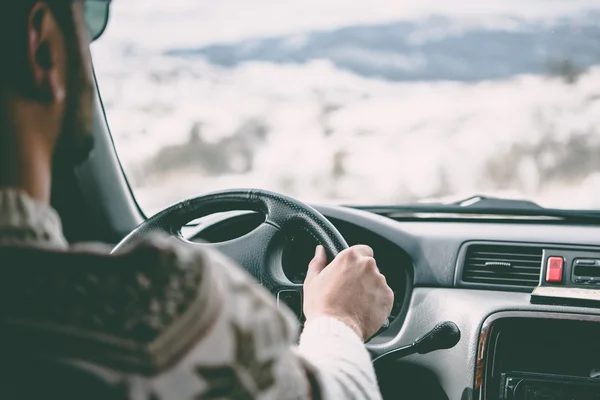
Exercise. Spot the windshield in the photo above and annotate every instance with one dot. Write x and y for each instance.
(355, 102)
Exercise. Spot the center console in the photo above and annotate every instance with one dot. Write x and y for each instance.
(539, 356)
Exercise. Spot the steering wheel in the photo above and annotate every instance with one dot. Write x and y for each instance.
(258, 252)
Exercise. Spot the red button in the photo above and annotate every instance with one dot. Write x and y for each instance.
(554, 271)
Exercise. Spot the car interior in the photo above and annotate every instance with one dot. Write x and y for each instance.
(515, 284)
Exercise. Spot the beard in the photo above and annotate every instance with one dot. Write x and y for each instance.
(76, 139)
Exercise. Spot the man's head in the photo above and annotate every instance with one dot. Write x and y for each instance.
(46, 84)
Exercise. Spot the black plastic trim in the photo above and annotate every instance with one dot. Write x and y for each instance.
(487, 335)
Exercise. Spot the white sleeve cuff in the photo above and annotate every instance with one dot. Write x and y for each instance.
(339, 360)
(324, 326)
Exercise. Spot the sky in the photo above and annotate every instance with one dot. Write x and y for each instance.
(197, 22)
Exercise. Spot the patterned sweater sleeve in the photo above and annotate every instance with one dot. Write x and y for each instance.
(165, 321)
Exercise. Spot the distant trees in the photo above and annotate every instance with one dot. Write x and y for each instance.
(230, 154)
(564, 68)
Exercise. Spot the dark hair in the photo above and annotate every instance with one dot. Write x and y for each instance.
(13, 37)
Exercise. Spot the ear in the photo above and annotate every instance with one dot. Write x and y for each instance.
(46, 54)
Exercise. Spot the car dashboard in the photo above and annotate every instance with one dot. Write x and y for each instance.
(479, 275)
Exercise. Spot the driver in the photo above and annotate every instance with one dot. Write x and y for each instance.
(75, 320)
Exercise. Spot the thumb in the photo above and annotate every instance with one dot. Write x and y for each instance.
(318, 263)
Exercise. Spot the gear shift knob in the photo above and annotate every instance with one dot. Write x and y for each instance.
(444, 335)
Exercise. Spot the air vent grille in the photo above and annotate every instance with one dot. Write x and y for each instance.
(503, 265)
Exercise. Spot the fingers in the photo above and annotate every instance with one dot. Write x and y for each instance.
(358, 251)
(318, 263)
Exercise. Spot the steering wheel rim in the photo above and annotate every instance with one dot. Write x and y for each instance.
(255, 250)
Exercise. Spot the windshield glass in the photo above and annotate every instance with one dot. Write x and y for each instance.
(355, 102)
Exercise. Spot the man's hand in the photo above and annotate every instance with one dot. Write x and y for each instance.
(350, 289)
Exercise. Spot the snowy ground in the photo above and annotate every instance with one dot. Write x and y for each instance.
(337, 137)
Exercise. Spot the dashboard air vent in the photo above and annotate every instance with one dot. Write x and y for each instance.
(503, 265)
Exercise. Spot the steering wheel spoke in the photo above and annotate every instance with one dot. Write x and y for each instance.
(253, 251)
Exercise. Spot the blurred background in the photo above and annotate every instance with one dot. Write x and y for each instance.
(356, 102)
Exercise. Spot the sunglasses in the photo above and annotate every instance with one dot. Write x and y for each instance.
(96, 16)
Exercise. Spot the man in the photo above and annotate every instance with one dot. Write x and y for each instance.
(158, 321)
